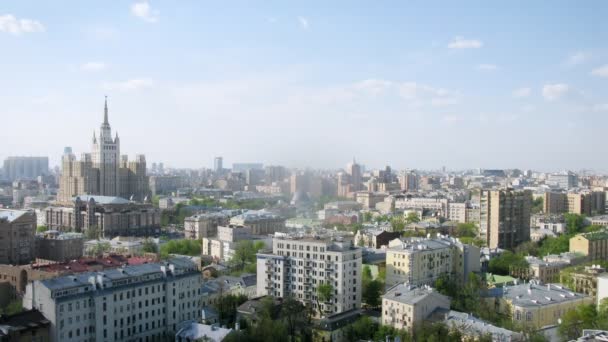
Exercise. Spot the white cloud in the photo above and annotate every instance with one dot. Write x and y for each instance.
(522, 92)
(601, 107)
(451, 119)
(129, 85)
(462, 43)
(93, 66)
(601, 71)
(9, 23)
(577, 58)
(373, 86)
(303, 23)
(144, 11)
(553, 92)
(487, 67)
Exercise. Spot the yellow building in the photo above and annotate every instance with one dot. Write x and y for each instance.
(419, 261)
(407, 306)
(593, 245)
(536, 305)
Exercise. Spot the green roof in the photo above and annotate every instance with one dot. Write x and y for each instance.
(498, 280)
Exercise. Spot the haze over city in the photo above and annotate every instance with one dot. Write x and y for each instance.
(311, 84)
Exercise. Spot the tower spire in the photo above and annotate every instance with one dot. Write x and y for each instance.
(105, 112)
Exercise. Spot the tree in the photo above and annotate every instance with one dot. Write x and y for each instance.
(92, 233)
(292, 312)
(503, 263)
(41, 229)
(554, 245)
(372, 290)
(149, 246)
(14, 307)
(325, 292)
(100, 248)
(412, 217)
(398, 224)
(537, 205)
(183, 247)
(574, 223)
(527, 248)
(245, 252)
(226, 307)
(466, 230)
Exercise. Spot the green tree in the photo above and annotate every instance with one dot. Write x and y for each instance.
(93, 233)
(537, 205)
(245, 253)
(325, 292)
(149, 246)
(554, 245)
(503, 263)
(527, 248)
(293, 313)
(371, 292)
(14, 307)
(466, 230)
(183, 247)
(412, 217)
(41, 229)
(574, 223)
(100, 248)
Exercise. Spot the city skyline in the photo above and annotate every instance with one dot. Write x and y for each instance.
(305, 85)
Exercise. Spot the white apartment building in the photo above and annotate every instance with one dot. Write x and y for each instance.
(421, 203)
(298, 265)
(133, 303)
(421, 261)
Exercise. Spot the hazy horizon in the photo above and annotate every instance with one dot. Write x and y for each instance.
(522, 85)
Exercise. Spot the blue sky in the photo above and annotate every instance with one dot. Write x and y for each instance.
(311, 83)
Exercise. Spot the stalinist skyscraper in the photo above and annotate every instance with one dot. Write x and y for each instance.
(103, 171)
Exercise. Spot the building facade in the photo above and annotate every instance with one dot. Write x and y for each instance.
(505, 217)
(261, 222)
(132, 303)
(103, 171)
(112, 216)
(298, 265)
(419, 261)
(17, 237)
(25, 167)
(593, 245)
(200, 226)
(53, 246)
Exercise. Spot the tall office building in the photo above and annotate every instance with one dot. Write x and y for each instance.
(103, 171)
(218, 164)
(505, 217)
(25, 167)
(354, 170)
(298, 265)
(583, 203)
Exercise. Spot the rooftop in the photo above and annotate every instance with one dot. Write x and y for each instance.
(410, 294)
(473, 326)
(102, 199)
(11, 215)
(534, 295)
(22, 320)
(196, 331)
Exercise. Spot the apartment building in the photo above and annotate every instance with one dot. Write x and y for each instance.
(54, 246)
(261, 222)
(132, 303)
(407, 306)
(299, 264)
(17, 236)
(199, 226)
(594, 245)
(505, 217)
(441, 205)
(421, 261)
(582, 203)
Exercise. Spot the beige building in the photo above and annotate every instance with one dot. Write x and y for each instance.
(17, 237)
(505, 217)
(103, 171)
(534, 305)
(298, 265)
(368, 199)
(543, 270)
(593, 245)
(261, 222)
(419, 261)
(204, 225)
(582, 203)
(583, 279)
(407, 306)
(112, 216)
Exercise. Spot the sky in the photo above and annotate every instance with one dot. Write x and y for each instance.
(410, 84)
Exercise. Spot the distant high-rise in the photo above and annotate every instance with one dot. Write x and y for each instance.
(354, 170)
(25, 167)
(218, 164)
(103, 171)
(505, 217)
